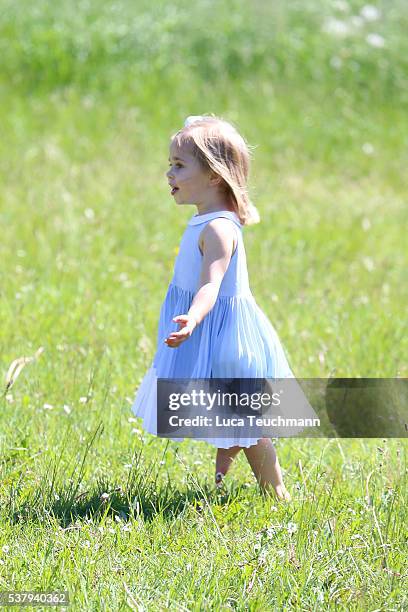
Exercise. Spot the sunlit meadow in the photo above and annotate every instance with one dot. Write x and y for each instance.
(90, 94)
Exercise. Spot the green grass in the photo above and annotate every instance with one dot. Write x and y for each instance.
(163, 535)
(90, 95)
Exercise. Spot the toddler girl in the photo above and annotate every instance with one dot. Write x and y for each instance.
(210, 325)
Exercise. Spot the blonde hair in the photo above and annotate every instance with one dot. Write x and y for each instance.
(218, 146)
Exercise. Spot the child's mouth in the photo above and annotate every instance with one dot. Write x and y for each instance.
(173, 191)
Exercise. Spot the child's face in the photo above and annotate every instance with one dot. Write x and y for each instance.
(194, 184)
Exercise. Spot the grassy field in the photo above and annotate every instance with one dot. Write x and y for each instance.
(89, 96)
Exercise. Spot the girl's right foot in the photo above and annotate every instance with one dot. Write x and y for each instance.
(282, 493)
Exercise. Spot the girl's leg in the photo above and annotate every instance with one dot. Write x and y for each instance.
(224, 458)
(265, 465)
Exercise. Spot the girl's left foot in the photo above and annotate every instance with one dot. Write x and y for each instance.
(219, 477)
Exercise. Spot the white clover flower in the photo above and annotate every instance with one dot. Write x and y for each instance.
(370, 12)
(375, 40)
(336, 27)
(89, 213)
(340, 5)
(367, 148)
(336, 62)
(365, 224)
(292, 528)
(368, 264)
(262, 557)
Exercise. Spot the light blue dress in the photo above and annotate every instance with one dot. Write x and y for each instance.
(234, 340)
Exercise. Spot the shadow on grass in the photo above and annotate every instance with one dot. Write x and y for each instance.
(141, 496)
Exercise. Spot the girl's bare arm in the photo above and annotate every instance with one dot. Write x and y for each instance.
(218, 246)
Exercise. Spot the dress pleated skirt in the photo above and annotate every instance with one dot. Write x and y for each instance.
(235, 340)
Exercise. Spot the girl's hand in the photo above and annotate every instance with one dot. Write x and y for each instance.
(188, 325)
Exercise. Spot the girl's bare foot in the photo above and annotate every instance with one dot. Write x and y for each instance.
(219, 477)
(223, 461)
(265, 465)
(282, 493)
